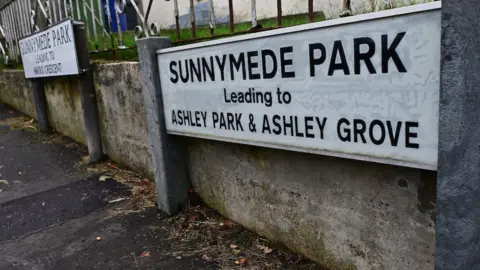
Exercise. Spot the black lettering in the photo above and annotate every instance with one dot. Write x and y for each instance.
(240, 63)
(62, 33)
(297, 133)
(347, 136)
(195, 70)
(410, 134)
(286, 62)
(214, 119)
(233, 96)
(252, 65)
(54, 36)
(225, 96)
(316, 61)
(321, 125)
(278, 127)
(204, 117)
(208, 69)
(268, 99)
(174, 72)
(223, 124)
(174, 118)
(382, 132)
(180, 117)
(271, 55)
(230, 121)
(390, 52)
(184, 79)
(338, 49)
(266, 125)
(359, 56)
(67, 35)
(197, 119)
(221, 65)
(308, 127)
(287, 125)
(359, 128)
(238, 121)
(394, 137)
(189, 118)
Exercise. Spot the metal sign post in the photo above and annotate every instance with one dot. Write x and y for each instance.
(62, 50)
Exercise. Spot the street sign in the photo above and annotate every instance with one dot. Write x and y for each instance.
(50, 52)
(363, 87)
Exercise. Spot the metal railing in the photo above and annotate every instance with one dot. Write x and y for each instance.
(19, 18)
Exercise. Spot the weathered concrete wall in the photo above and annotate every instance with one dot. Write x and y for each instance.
(120, 102)
(16, 91)
(337, 212)
(65, 108)
(123, 122)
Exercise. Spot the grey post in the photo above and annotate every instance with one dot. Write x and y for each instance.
(40, 101)
(168, 155)
(458, 182)
(88, 96)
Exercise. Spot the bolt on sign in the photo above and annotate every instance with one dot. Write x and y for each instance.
(364, 87)
(50, 52)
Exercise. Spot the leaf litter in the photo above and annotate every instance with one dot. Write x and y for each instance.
(198, 230)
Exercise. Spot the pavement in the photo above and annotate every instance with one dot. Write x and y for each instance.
(59, 212)
(56, 215)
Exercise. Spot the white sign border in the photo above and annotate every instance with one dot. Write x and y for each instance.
(432, 6)
(73, 23)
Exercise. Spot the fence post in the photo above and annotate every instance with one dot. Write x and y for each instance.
(88, 95)
(40, 101)
(168, 154)
(458, 182)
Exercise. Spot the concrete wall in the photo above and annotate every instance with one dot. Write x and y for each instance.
(337, 212)
(123, 123)
(341, 213)
(16, 91)
(123, 120)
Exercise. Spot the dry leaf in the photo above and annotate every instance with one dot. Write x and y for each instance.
(117, 200)
(229, 223)
(103, 178)
(145, 254)
(4, 182)
(233, 246)
(267, 250)
(193, 218)
(242, 261)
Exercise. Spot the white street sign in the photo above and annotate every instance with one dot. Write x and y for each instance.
(50, 52)
(363, 87)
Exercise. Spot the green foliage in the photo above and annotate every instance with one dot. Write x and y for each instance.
(128, 37)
